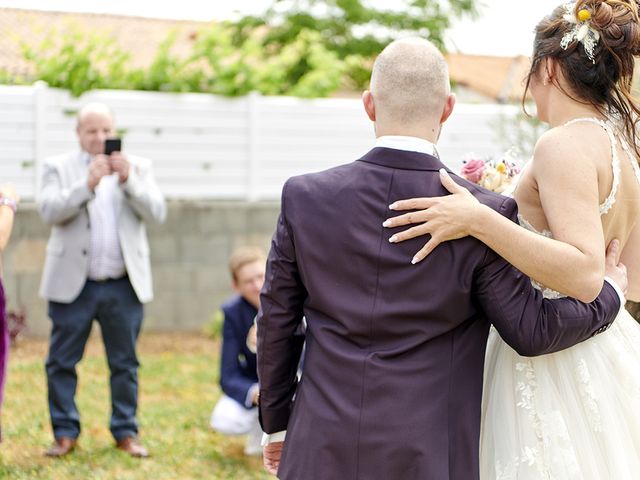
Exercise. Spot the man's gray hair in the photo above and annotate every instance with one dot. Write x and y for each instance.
(410, 81)
(96, 108)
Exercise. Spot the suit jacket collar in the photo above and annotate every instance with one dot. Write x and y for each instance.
(402, 159)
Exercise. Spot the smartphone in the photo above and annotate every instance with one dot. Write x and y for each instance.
(112, 145)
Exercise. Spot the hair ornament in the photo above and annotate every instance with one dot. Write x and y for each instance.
(584, 15)
(582, 30)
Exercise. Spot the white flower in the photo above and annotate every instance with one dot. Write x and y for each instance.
(582, 32)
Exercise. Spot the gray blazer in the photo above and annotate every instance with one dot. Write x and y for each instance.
(62, 203)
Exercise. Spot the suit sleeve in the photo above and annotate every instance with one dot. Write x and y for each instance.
(233, 381)
(57, 204)
(529, 323)
(281, 312)
(142, 193)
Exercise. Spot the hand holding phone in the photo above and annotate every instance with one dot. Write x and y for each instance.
(98, 168)
(120, 165)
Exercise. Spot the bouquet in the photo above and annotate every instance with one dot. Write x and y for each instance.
(496, 176)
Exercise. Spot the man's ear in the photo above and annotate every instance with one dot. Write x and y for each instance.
(369, 105)
(448, 108)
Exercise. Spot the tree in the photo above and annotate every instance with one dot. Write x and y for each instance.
(77, 60)
(304, 67)
(356, 30)
(305, 48)
(219, 63)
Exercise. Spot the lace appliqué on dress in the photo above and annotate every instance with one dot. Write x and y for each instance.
(553, 449)
(588, 396)
(615, 160)
(632, 158)
(553, 446)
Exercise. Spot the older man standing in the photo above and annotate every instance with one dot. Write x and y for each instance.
(97, 268)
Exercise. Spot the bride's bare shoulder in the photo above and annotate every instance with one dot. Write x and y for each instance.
(578, 146)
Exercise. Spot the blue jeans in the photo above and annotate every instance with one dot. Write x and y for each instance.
(114, 304)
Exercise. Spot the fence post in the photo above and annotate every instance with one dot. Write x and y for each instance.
(253, 162)
(40, 111)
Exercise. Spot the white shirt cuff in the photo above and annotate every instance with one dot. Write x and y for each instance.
(618, 290)
(268, 438)
(251, 393)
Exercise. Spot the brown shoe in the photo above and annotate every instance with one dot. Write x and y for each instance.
(133, 447)
(61, 447)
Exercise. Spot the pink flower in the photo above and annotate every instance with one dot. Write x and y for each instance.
(473, 170)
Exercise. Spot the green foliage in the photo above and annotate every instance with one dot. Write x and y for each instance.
(166, 72)
(221, 63)
(213, 328)
(78, 61)
(305, 48)
(7, 78)
(237, 65)
(355, 30)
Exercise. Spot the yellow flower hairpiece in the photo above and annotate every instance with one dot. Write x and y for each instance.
(584, 15)
(582, 31)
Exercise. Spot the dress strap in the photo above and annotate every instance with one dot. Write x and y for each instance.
(632, 158)
(615, 160)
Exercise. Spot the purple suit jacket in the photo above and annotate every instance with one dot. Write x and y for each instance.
(392, 380)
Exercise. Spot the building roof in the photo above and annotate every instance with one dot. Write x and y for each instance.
(498, 78)
(137, 36)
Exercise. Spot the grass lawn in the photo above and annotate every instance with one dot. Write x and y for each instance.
(178, 389)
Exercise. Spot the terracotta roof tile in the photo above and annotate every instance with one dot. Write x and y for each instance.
(135, 35)
(499, 78)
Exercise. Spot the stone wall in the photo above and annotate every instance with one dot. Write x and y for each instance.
(189, 254)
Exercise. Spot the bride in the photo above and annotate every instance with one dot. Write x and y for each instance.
(573, 414)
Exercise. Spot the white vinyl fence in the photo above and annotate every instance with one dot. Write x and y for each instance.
(209, 147)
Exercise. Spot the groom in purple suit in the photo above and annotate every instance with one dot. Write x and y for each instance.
(392, 379)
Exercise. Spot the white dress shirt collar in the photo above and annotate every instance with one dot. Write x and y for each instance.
(410, 144)
(85, 157)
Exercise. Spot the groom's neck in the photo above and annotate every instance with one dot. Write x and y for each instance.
(425, 132)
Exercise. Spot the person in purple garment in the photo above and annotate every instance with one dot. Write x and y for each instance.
(8, 206)
(236, 412)
(394, 355)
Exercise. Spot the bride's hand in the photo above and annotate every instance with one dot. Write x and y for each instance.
(444, 218)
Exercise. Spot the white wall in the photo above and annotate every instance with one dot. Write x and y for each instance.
(210, 147)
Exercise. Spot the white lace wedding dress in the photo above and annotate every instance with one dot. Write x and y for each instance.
(571, 415)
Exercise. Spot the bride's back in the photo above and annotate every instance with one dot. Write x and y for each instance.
(618, 182)
(598, 151)
(624, 214)
(582, 65)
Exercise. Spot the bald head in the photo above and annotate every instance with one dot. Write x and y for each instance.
(95, 125)
(409, 83)
(94, 109)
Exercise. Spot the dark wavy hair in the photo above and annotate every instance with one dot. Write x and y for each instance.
(605, 83)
